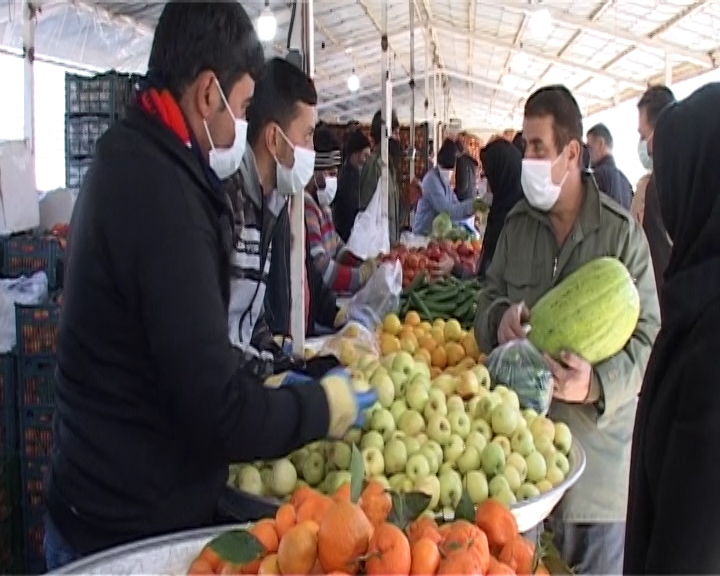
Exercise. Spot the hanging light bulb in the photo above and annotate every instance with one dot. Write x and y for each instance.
(353, 82)
(266, 24)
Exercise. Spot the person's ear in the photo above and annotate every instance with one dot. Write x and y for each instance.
(207, 95)
(272, 139)
(575, 153)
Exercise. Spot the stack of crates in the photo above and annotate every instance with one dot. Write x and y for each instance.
(36, 361)
(25, 254)
(10, 509)
(92, 105)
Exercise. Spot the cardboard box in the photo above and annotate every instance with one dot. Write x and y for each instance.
(19, 200)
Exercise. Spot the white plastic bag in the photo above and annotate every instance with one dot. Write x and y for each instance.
(370, 234)
(379, 297)
(27, 291)
(414, 240)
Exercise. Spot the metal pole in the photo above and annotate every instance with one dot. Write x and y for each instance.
(668, 70)
(412, 91)
(28, 31)
(386, 111)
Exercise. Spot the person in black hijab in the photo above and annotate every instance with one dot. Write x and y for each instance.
(345, 206)
(673, 521)
(502, 165)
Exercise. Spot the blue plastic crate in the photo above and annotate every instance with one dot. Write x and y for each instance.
(10, 549)
(25, 254)
(8, 411)
(105, 94)
(36, 437)
(34, 471)
(36, 329)
(36, 382)
(33, 535)
(83, 133)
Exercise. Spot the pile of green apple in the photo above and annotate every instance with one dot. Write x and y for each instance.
(440, 436)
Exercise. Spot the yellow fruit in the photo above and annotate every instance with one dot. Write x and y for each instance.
(428, 343)
(389, 344)
(310, 353)
(439, 323)
(470, 346)
(392, 324)
(351, 331)
(453, 331)
(419, 332)
(409, 343)
(412, 318)
(439, 357)
(438, 334)
(405, 332)
(466, 363)
(348, 354)
(422, 355)
(425, 326)
(455, 353)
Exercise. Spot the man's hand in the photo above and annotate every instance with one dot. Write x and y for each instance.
(573, 378)
(442, 267)
(511, 324)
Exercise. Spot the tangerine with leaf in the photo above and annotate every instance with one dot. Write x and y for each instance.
(388, 553)
(498, 523)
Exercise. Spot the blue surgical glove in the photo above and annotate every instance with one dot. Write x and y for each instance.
(346, 406)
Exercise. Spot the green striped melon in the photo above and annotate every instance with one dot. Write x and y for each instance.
(593, 312)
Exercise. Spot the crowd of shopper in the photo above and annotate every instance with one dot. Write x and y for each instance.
(159, 389)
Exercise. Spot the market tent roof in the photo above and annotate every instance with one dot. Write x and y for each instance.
(488, 55)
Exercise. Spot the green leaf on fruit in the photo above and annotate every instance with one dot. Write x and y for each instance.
(357, 474)
(407, 507)
(237, 547)
(465, 509)
(546, 552)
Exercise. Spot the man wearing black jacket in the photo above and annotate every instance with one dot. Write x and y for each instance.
(610, 179)
(152, 403)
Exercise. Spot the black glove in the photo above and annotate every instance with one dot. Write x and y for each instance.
(317, 367)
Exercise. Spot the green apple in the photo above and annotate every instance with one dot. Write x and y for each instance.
(436, 404)
(453, 449)
(353, 436)
(404, 363)
(341, 477)
(445, 466)
(384, 388)
(483, 427)
(417, 396)
(298, 457)
(382, 480)
(511, 398)
(400, 435)
(284, 476)
(250, 481)
(364, 361)
(266, 474)
(432, 459)
(451, 488)
(469, 460)
(460, 423)
(339, 455)
(536, 466)
(438, 429)
(513, 477)
(455, 404)
(529, 415)
(422, 379)
(563, 437)
(399, 482)
(562, 462)
(382, 421)
(429, 485)
(554, 475)
(399, 383)
(522, 442)
(476, 484)
(542, 427)
(398, 408)
(435, 447)
(505, 497)
(417, 467)
(475, 438)
(501, 390)
(544, 445)
(372, 439)
(423, 370)
(504, 443)
(472, 405)
(395, 455)
(487, 405)
(412, 445)
(411, 422)
(497, 484)
(467, 385)
(504, 419)
(483, 376)
(446, 383)
(544, 486)
(527, 491)
(359, 383)
(373, 368)
(421, 438)
(313, 470)
(387, 361)
(493, 459)
(374, 461)
(517, 461)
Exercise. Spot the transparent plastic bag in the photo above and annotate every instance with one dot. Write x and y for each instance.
(351, 343)
(519, 366)
(414, 240)
(26, 291)
(378, 298)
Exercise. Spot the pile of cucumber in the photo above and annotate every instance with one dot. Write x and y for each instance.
(445, 298)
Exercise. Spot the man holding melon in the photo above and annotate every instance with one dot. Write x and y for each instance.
(564, 223)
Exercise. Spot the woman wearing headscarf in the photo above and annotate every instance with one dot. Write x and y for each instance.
(345, 206)
(502, 165)
(673, 521)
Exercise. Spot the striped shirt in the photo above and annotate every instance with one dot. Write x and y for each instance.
(338, 266)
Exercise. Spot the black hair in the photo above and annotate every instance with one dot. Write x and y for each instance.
(376, 125)
(279, 89)
(447, 154)
(519, 143)
(356, 142)
(654, 101)
(194, 37)
(603, 133)
(559, 103)
(324, 140)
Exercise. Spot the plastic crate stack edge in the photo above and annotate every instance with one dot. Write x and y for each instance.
(10, 504)
(27, 253)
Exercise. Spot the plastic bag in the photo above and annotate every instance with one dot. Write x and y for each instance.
(379, 297)
(370, 235)
(414, 240)
(351, 343)
(27, 291)
(519, 366)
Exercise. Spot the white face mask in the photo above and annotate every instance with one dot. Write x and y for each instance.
(482, 188)
(445, 174)
(644, 155)
(540, 191)
(327, 194)
(225, 161)
(292, 181)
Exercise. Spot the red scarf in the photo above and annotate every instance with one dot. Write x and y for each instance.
(163, 106)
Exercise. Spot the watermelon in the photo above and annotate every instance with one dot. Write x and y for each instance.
(593, 312)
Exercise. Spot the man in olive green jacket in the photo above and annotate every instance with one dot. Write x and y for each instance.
(562, 223)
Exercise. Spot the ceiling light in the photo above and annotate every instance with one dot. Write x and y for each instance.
(266, 25)
(509, 81)
(353, 82)
(540, 23)
(520, 62)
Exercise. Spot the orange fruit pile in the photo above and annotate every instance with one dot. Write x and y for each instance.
(315, 534)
